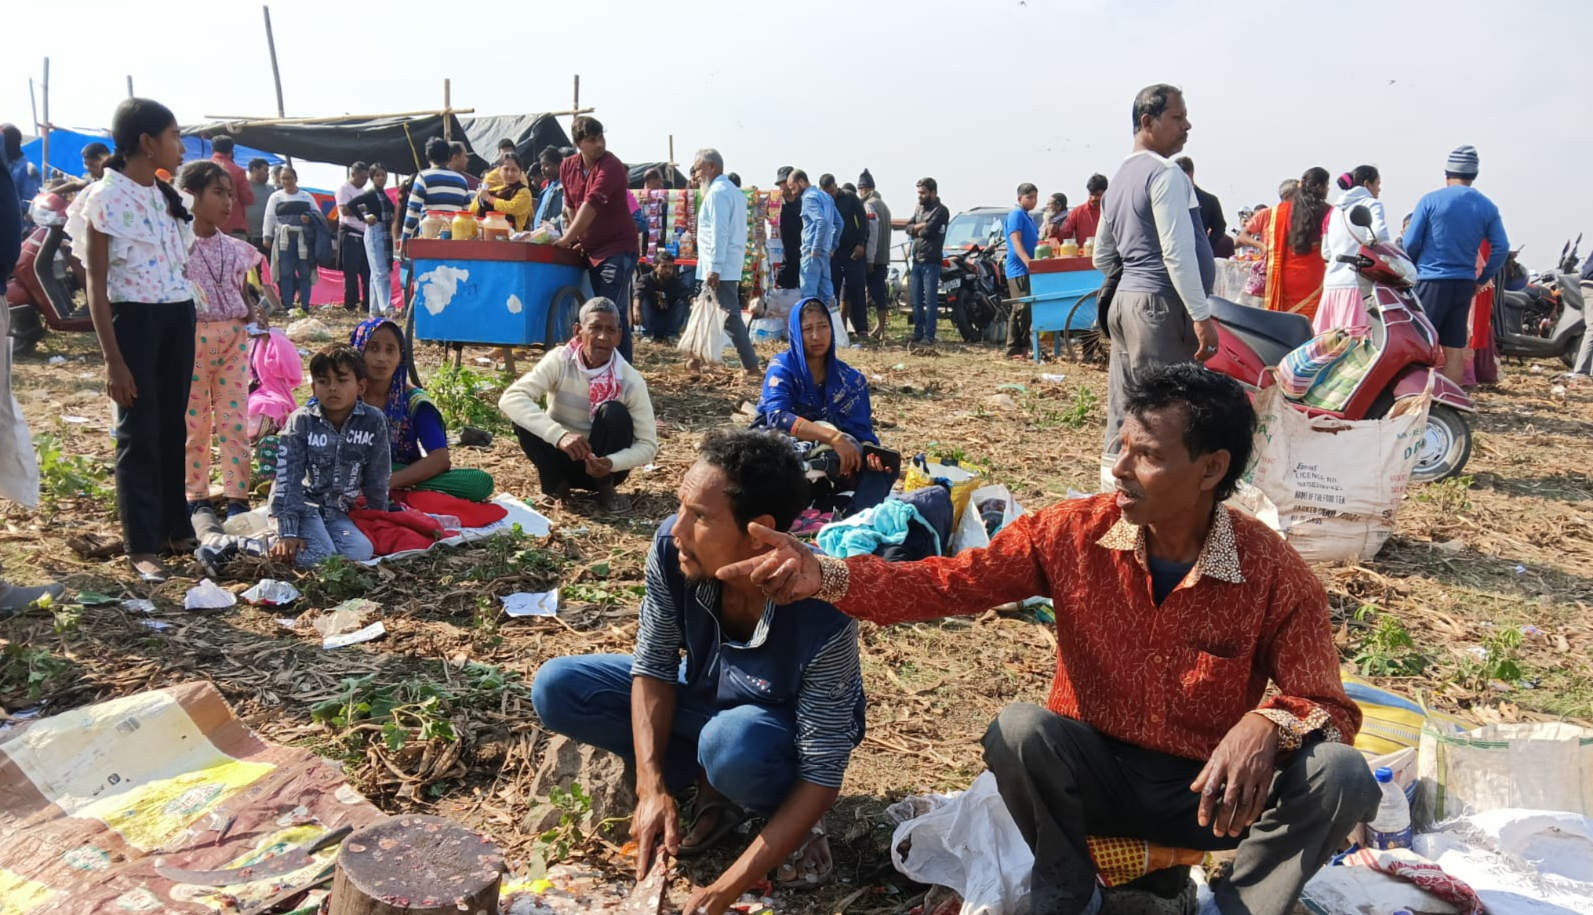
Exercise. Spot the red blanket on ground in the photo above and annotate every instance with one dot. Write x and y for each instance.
(414, 528)
(470, 514)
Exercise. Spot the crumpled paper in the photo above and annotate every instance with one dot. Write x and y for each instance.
(345, 617)
(207, 595)
(271, 593)
(374, 631)
(522, 603)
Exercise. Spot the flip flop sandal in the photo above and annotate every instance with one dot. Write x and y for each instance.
(794, 861)
(731, 816)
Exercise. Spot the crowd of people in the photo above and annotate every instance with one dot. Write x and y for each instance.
(744, 693)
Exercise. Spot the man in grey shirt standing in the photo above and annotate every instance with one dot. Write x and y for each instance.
(1150, 228)
(879, 249)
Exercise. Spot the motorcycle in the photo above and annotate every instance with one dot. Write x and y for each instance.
(1546, 320)
(1407, 363)
(41, 292)
(969, 282)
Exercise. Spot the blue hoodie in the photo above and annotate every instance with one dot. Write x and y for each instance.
(790, 393)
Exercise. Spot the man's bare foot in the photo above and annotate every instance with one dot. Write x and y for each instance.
(810, 866)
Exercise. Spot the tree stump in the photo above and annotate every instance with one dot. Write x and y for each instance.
(416, 865)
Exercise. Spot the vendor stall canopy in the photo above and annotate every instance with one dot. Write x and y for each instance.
(66, 150)
(397, 142)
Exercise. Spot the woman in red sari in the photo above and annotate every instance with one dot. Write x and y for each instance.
(1295, 267)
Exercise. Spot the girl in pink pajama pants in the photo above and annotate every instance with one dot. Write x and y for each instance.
(218, 401)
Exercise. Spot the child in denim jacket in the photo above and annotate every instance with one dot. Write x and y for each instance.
(332, 449)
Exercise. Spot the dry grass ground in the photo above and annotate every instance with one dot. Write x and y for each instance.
(1501, 561)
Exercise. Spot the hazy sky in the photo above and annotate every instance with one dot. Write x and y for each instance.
(982, 95)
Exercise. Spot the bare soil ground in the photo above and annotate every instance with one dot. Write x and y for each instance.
(1498, 561)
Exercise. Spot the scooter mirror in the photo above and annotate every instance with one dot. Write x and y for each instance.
(1361, 216)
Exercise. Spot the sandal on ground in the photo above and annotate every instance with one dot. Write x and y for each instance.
(731, 816)
(790, 875)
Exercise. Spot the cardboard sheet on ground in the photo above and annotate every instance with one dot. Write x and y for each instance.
(530, 520)
(92, 799)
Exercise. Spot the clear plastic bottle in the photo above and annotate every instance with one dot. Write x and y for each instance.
(1390, 826)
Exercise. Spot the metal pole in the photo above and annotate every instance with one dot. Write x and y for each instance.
(575, 105)
(129, 85)
(276, 72)
(46, 132)
(448, 114)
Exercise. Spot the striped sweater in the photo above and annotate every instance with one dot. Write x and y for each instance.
(435, 189)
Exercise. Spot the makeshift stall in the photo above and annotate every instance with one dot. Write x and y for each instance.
(1063, 293)
(671, 216)
(500, 293)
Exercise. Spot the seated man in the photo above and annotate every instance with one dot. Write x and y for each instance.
(664, 299)
(763, 713)
(582, 414)
(1173, 612)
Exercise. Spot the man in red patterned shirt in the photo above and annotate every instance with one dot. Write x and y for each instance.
(1173, 614)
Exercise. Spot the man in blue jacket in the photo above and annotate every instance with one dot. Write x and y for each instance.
(1444, 237)
(764, 711)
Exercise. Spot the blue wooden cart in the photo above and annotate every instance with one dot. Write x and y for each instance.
(493, 293)
(1062, 299)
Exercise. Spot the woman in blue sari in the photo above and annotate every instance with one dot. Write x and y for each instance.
(414, 424)
(812, 396)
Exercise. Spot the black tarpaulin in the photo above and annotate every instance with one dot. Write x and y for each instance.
(531, 134)
(673, 177)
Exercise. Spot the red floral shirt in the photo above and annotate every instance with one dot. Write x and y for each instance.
(1174, 678)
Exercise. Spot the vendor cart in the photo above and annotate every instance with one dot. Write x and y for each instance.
(1064, 293)
(494, 293)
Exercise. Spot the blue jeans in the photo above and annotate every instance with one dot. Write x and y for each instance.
(379, 254)
(816, 283)
(329, 532)
(296, 273)
(612, 279)
(926, 300)
(747, 752)
(665, 323)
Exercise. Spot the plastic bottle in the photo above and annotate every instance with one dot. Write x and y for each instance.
(1390, 826)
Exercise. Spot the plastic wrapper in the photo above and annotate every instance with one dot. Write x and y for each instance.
(271, 593)
(207, 595)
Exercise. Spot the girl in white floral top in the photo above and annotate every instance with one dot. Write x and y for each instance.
(131, 231)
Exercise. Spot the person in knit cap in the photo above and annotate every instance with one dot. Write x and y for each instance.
(1446, 231)
(879, 249)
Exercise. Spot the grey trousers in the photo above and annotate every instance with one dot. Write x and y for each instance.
(729, 298)
(1584, 355)
(1148, 330)
(1062, 780)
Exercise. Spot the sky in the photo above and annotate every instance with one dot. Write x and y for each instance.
(982, 95)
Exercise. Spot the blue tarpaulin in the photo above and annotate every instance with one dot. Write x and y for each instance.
(66, 150)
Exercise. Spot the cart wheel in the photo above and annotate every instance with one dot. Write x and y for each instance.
(564, 309)
(409, 345)
(1067, 332)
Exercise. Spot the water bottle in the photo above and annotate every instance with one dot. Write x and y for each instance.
(1390, 826)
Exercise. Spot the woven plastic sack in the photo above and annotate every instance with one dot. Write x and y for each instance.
(963, 478)
(1300, 369)
(1532, 766)
(1334, 387)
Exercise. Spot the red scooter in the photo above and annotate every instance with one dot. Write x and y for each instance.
(1409, 357)
(41, 291)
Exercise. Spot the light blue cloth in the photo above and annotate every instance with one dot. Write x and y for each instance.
(821, 223)
(886, 524)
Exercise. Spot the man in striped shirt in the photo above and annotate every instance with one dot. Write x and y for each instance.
(763, 713)
(436, 188)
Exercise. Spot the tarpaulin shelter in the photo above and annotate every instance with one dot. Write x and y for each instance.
(66, 150)
(673, 176)
(397, 142)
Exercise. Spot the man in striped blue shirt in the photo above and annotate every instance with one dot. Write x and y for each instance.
(436, 188)
(763, 712)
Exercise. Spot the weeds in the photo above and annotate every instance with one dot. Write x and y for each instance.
(573, 830)
(1388, 650)
(1047, 415)
(415, 708)
(1451, 496)
(1498, 658)
(65, 477)
(457, 392)
(603, 594)
(29, 670)
(337, 579)
(507, 554)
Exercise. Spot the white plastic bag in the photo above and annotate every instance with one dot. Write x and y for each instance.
(704, 338)
(1536, 766)
(969, 844)
(970, 532)
(1520, 862)
(1330, 487)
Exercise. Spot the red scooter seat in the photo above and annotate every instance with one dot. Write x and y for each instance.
(1272, 334)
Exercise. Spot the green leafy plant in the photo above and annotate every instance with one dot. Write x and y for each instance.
(574, 829)
(1451, 496)
(1499, 658)
(63, 477)
(29, 670)
(460, 395)
(1077, 415)
(602, 594)
(1047, 413)
(1388, 649)
(415, 708)
(338, 579)
(509, 553)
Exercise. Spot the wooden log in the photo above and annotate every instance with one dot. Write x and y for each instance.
(416, 865)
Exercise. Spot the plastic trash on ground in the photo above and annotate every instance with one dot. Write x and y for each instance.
(271, 593)
(543, 603)
(207, 595)
(374, 631)
(345, 617)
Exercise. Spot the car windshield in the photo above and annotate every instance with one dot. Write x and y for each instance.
(974, 229)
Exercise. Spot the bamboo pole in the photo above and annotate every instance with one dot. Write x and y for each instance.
(129, 85)
(46, 130)
(448, 109)
(276, 71)
(255, 120)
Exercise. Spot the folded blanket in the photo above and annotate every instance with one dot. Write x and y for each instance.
(398, 531)
(470, 514)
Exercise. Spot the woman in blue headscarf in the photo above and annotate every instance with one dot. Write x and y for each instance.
(812, 396)
(414, 424)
